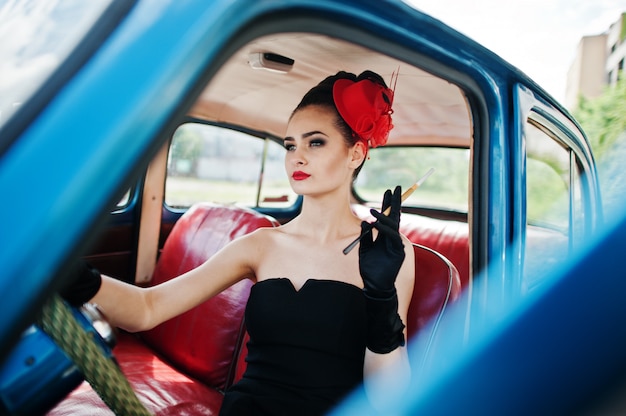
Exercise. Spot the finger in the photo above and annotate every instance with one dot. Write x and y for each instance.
(386, 200)
(366, 235)
(384, 224)
(396, 204)
(388, 236)
(385, 227)
(392, 222)
(381, 217)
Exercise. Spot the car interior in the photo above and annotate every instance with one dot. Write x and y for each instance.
(220, 175)
(144, 136)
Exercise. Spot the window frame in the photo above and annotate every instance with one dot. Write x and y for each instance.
(276, 212)
(563, 136)
(579, 182)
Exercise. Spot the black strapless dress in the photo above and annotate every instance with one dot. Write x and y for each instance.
(306, 348)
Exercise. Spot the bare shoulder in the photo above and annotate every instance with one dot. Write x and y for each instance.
(255, 242)
(260, 235)
(243, 255)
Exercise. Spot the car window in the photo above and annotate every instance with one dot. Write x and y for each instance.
(446, 188)
(554, 205)
(218, 164)
(37, 36)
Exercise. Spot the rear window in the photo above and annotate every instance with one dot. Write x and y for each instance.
(218, 164)
(446, 188)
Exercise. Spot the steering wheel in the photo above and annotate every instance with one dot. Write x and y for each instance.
(52, 357)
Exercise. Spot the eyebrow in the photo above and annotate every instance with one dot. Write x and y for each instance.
(305, 135)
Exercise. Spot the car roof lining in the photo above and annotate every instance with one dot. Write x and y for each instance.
(428, 110)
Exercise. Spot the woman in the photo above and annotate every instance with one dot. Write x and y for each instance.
(318, 319)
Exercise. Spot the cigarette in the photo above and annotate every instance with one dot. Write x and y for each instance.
(386, 212)
(409, 191)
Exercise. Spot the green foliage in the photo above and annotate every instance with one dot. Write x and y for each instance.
(446, 188)
(547, 193)
(603, 118)
(186, 145)
(604, 121)
(184, 152)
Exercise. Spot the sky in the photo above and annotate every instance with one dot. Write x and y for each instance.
(540, 37)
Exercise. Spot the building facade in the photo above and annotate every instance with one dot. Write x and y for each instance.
(598, 62)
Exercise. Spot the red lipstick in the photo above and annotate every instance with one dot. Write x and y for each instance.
(299, 175)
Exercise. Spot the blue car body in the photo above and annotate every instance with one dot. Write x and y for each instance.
(93, 130)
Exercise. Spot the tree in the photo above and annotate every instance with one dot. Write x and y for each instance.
(604, 121)
(185, 151)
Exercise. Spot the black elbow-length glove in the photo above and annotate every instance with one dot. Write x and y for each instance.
(380, 261)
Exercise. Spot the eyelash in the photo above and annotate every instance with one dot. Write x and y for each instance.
(312, 143)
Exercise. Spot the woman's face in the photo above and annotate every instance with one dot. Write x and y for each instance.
(318, 159)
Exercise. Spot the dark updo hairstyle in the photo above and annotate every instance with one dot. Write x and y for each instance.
(322, 95)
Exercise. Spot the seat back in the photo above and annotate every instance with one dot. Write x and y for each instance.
(450, 238)
(204, 341)
(437, 284)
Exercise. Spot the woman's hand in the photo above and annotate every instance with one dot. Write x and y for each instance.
(83, 282)
(380, 260)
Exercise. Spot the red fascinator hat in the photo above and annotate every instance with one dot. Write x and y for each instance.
(365, 105)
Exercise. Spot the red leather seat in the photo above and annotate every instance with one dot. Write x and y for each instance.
(195, 352)
(450, 238)
(159, 386)
(203, 341)
(437, 285)
(184, 365)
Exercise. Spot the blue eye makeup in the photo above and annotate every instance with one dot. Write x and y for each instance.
(310, 139)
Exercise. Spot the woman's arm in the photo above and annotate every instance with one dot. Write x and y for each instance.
(393, 369)
(404, 287)
(138, 309)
